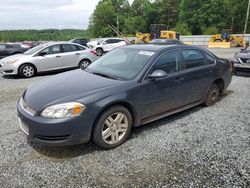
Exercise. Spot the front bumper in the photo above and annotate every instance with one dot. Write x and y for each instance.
(6, 69)
(55, 132)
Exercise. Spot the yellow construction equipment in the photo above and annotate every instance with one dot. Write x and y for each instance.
(226, 40)
(156, 31)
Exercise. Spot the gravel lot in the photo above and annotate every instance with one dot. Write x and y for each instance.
(201, 147)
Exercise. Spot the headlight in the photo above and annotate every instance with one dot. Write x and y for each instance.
(63, 110)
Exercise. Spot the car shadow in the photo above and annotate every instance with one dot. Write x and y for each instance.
(66, 152)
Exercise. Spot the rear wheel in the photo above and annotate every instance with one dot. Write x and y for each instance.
(233, 43)
(84, 63)
(112, 127)
(27, 71)
(99, 51)
(217, 40)
(212, 95)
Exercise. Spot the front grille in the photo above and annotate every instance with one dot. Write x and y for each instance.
(8, 71)
(26, 108)
(53, 138)
(245, 60)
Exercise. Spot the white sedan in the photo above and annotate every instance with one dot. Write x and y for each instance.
(47, 57)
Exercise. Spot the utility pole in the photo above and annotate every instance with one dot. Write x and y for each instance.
(246, 23)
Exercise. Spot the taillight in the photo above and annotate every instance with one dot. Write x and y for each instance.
(93, 52)
(231, 65)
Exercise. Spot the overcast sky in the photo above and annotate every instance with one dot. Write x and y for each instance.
(43, 14)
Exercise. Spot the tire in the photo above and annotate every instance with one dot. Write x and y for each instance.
(99, 51)
(84, 63)
(233, 43)
(217, 40)
(27, 71)
(212, 95)
(108, 133)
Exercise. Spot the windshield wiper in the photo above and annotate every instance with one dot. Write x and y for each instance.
(105, 75)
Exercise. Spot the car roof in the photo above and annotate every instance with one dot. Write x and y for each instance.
(151, 47)
(54, 43)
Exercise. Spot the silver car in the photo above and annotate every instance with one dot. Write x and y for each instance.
(47, 57)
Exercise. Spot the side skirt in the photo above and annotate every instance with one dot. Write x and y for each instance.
(169, 113)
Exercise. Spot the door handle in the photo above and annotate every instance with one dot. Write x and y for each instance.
(77, 54)
(58, 56)
(179, 80)
(208, 71)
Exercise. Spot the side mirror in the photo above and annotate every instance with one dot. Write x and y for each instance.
(157, 74)
(42, 53)
(104, 43)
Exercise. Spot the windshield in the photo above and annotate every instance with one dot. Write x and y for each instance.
(121, 63)
(35, 49)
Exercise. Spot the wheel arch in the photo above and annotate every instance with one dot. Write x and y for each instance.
(125, 104)
(220, 83)
(27, 63)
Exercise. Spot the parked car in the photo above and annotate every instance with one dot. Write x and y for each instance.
(107, 45)
(8, 50)
(47, 57)
(242, 61)
(80, 41)
(130, 86)
(166, 41)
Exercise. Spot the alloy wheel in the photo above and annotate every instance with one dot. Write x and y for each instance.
(114, 128)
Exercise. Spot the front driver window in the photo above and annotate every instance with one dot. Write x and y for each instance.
(168, 62)
(52, 50)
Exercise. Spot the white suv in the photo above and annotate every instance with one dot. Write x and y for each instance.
(107, 45)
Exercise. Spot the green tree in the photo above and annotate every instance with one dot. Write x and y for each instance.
(168, 12)
(104, 14)
(201, 14)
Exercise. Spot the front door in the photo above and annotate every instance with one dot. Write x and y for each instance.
(165, 94)
(51, 58)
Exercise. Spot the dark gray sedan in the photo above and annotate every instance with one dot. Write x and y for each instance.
(126, 88)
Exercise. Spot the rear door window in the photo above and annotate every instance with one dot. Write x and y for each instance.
(69, 48)
(210, 58)
(193, 58)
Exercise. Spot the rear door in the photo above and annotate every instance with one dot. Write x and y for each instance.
(108, 45)
(198, 74)
(51, 60)
(71, 55)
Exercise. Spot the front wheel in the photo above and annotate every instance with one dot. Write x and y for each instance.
(112, 127)
(212, 95)
(27, 71)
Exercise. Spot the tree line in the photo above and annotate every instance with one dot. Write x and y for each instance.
(185, 16)
(42, 35)
(188, 17)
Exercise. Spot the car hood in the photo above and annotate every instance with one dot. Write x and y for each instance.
(65, 87)
(14, 57)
